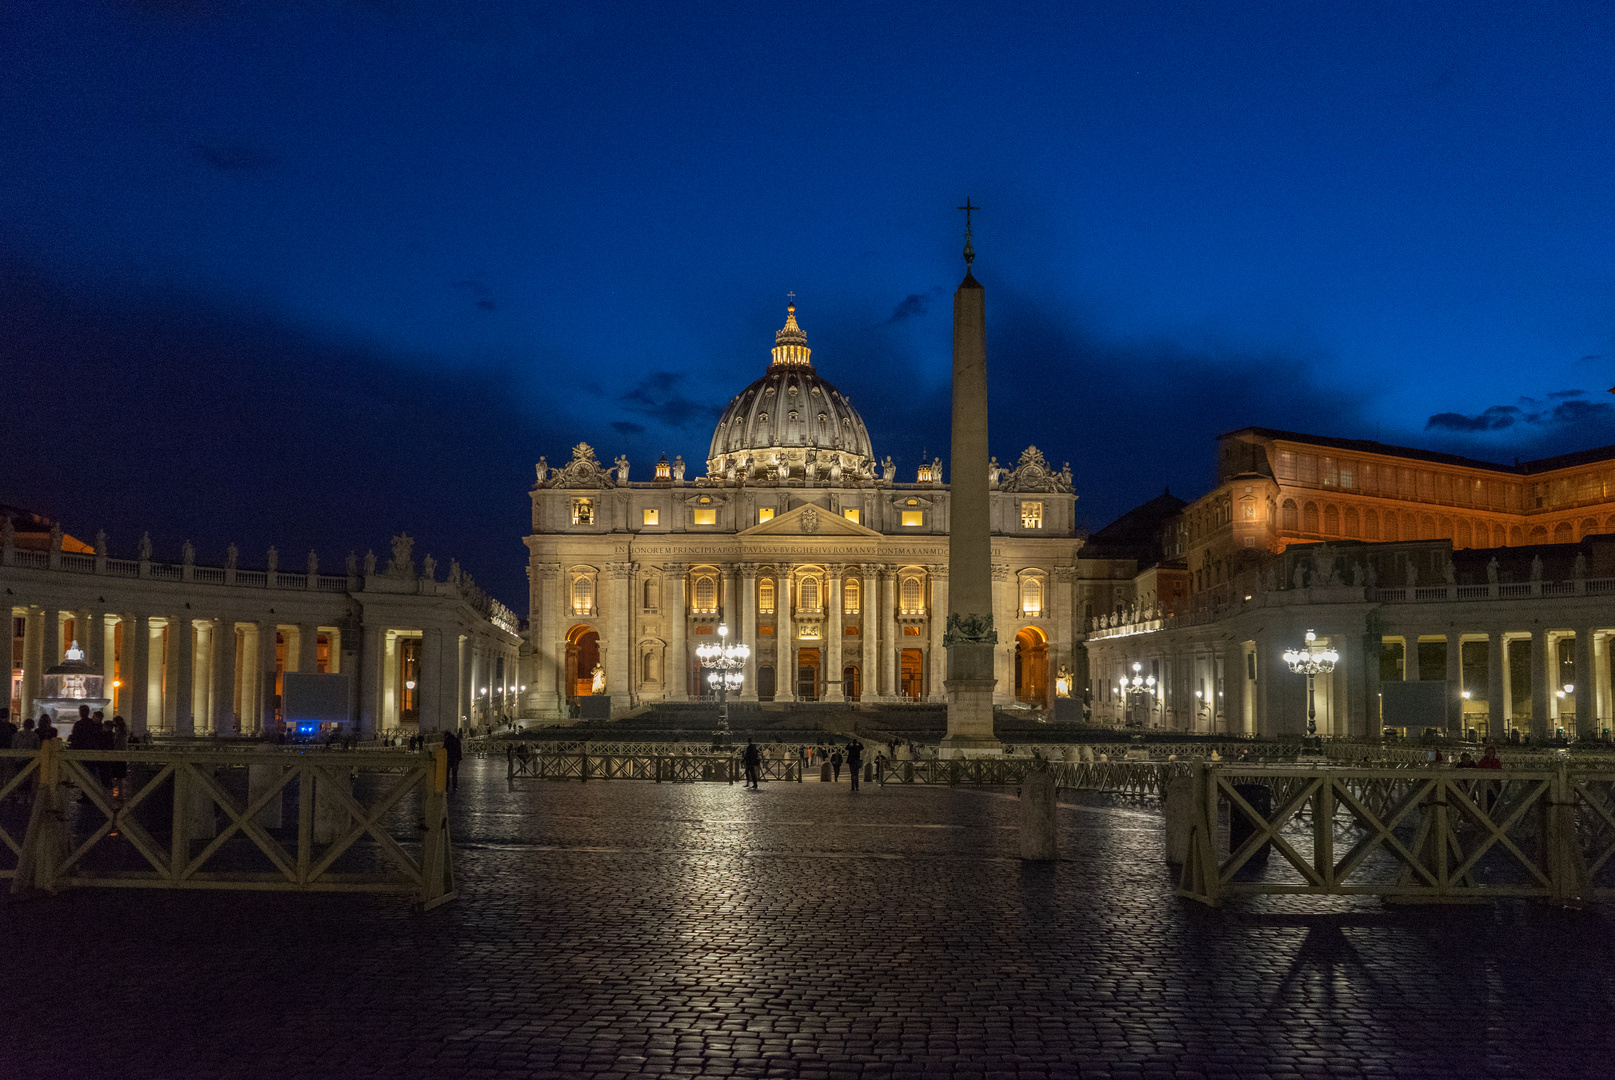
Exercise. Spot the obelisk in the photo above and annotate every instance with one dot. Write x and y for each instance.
(970, 637)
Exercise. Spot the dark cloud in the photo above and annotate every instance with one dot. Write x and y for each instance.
(1496, 418)
(230, 157)
(1560, 395)
(1566, 409)
(627, 427)
(487, 305)
(1590, 357)
(657, 396)
(912, 306)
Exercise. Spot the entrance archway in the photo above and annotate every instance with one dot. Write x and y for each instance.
(807, 675)
(1031, 666)
(765, 683)
(911, 674)
(582, 656)
(852, 686)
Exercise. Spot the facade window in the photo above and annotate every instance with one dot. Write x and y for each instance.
(1348, 475)
(765, 596)
(1292, 519)
(650, 596)
(705, 515)
(849, 597)
(913, 519)
(1286, 465)
(912, 597)
(1307, 468)
(706, 595)
(851, 514)
(1329, 476)
(1031, 515)
(808, 597)
(1032, 596)
(652, 517)
(583, 511)
(765, 513)
(582, 595)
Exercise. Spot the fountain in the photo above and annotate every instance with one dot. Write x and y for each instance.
(70, 684)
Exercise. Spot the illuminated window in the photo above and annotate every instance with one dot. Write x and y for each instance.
(653, 517)
(1031, 515)
(706, 594)
(849, 598)
(808, 597)
(851, 514)
(706, 516)
(765, 596)
(911, 631)
(765, 513)
(913, 519)
(582, 595)
(912, 597)
(583, 511)
(1032, 596)
(852, 631)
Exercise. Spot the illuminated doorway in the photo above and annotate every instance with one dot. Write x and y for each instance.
(765, 683)
(911, 674)
(582, 657)
(807, 674)
(852, 687)
(1031, 666)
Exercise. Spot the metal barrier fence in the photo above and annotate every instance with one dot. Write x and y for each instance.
(1429, 835)
(160, 817)
(660, 768)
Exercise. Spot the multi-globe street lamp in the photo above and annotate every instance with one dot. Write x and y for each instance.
(725, 661)
(1311, 661)
(1140, 689)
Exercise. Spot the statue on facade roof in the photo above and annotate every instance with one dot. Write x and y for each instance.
(543, 470)
(101, 542)
(313, 563)
(369, 563)
(187, 554)
(429, 568)
(1536, 568)
(1491, 571)
(1412, 573)
(272, 560)
(995, 472)
(1578, 570)
(888, 469)
(56, 536)
(232, 555)
(678, 469)
(353, 564)
(145, 546)
(622, 468)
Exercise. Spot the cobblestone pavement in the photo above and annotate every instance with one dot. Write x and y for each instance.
(622, 929)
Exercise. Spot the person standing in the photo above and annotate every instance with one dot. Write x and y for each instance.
(451, 743)
(835, 767)
(752, 759)
(855, 760)
(8, 732)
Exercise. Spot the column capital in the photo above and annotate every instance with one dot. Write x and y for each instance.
(938, 571)
(835, 570)
(675, 568)
(547, 569)
(620, 570)
(748, 569)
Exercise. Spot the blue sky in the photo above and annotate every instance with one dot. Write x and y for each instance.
(313, 273)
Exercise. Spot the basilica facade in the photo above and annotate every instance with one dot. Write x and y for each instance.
(804, 545)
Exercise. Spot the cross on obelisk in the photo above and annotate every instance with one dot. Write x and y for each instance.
(970, 638)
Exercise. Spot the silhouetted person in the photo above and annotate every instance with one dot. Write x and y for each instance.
(835, 767)
(753, 758)
(451, 743)
(855, 760)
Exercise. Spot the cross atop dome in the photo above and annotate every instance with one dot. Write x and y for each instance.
(790, 341)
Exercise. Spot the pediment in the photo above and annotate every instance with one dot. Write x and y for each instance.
(809, 520)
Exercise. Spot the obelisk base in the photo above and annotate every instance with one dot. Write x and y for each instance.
(970, 685)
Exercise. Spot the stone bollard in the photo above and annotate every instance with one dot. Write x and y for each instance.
(824, 773)
(1179, 818)
(1039, 840)
(1072, 753)
(1087, 753)
(331, 817)
(199, 807)
(869, 771)
(261, 778)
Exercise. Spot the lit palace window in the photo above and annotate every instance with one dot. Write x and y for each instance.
(765, 596)
(913, 518)
(1032, 596)
(582, 595)
(808, 598)
(1031, 515)
(912, 597)
(851, 514)
(707, 516)
(706, 595)
(849, 598)
(765, 513)
(583, 511)
(653, 517)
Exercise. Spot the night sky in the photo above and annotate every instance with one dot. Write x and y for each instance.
(313, 273)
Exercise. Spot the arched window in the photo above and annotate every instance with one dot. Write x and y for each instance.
(582, 595)
(1032, 596)
(808, 598)
(706, 594)
(912, 597)
(1309, 518)
(650, 595)
(1562, 533)
(1516, 536)
(1463, 539)
(1292, 520)
(647, 669)
(765, 596)
(1353, 524)
(849, 597)
(1331, 520)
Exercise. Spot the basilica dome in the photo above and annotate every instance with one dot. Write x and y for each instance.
(790, 424)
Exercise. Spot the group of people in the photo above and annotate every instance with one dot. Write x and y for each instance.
(91, 731)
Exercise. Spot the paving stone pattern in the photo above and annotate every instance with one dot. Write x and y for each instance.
(629, 929)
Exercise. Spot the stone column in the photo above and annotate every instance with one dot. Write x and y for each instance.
(136, 667)
(1410, 658)
(1496, 687)
(784, 635)
(182, 649)
(619, 635)
(92, 638)
(268, 675)
(937, 620)
(1455, 682)
(224, 678)
(1542, 681)
(971, 639)
(1586, 693)
(308, 648)
(748, 628)
(678, 624)
(888, 625)
(51, 641)
(389, 707)
(1371, 699)
(1600, 682)
(833, 690)
(370, 681)
(546, 629)
(435, 679)
(1006, 613)
(33, 661)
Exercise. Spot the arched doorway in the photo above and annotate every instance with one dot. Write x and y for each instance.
(582, 656)
(852, 686)
(911, 674)
(807, 675)
(1031, 666)
(765, 683)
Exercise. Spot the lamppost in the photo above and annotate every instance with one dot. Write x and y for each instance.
(1311, 661)
(1140, 689)
(726, 661)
